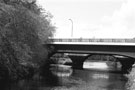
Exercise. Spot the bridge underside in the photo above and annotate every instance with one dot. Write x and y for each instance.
(128, 51)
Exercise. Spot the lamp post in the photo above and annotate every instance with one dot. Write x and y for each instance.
(71, 27)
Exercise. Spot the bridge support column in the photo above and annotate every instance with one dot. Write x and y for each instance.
(127, 64)
(77, 61)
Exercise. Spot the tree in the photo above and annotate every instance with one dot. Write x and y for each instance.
(24, 28)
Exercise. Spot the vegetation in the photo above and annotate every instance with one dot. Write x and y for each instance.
(24, 28)
(131, 80)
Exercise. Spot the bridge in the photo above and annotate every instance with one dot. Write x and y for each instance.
(115, 47)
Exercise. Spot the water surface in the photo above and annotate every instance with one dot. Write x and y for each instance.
(60, 78)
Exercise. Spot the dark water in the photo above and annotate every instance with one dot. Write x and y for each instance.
(61, 78)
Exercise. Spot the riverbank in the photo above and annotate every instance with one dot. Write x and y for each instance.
(131, 80)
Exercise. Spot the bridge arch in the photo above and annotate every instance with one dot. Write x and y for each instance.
(78, 59)
(124, 61)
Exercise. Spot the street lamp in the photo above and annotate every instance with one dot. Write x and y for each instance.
(71, 27)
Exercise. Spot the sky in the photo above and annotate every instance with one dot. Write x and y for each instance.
(92, 18)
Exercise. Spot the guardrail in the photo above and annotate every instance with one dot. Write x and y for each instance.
(93, 40)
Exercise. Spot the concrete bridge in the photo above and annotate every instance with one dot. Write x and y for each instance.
(115, 47)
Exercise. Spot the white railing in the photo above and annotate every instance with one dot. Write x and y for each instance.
(92, 40)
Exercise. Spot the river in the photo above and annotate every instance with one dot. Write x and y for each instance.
(69, 79)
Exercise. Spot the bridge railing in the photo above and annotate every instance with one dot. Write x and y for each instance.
(92, 40)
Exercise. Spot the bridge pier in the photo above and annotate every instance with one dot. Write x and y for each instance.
(77, 61)
(126, 64)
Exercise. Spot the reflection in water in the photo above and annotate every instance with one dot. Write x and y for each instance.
(98, 76)
(65, 78)
(61, 70)
(101, 80)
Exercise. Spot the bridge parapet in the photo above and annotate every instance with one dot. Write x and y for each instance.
(92, 40)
